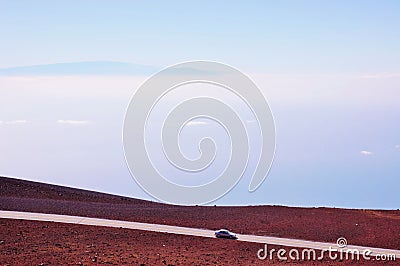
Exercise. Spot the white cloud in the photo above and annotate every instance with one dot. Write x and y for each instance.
(14, 122)
(366, 153)
(196, 123)
(73, 122)
(397, 146)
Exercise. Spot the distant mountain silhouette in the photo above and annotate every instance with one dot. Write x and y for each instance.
(80, 68)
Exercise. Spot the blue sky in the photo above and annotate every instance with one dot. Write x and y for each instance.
(273, 36)
(329, 69)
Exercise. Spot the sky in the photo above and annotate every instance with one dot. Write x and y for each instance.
(330, 71)
(270, 36)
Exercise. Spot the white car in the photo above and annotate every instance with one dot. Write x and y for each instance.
(224, 233)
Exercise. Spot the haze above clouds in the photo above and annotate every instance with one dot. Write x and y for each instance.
(330, 72)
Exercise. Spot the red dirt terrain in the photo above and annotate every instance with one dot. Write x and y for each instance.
(43, 243)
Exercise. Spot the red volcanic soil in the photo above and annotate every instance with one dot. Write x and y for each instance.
(33, 243)
(44, 243)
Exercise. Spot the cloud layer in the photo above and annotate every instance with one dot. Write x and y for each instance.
(367, 153)
(14, 122)
(73, 122)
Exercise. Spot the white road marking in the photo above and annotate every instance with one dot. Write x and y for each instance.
(295, 243)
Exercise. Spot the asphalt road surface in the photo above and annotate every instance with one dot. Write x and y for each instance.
(295, 243)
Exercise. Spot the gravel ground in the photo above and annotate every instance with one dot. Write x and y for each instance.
(33, 243)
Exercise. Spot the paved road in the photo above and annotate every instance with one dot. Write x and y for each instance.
(188, 231)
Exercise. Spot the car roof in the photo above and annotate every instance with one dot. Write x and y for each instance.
(223, 230)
